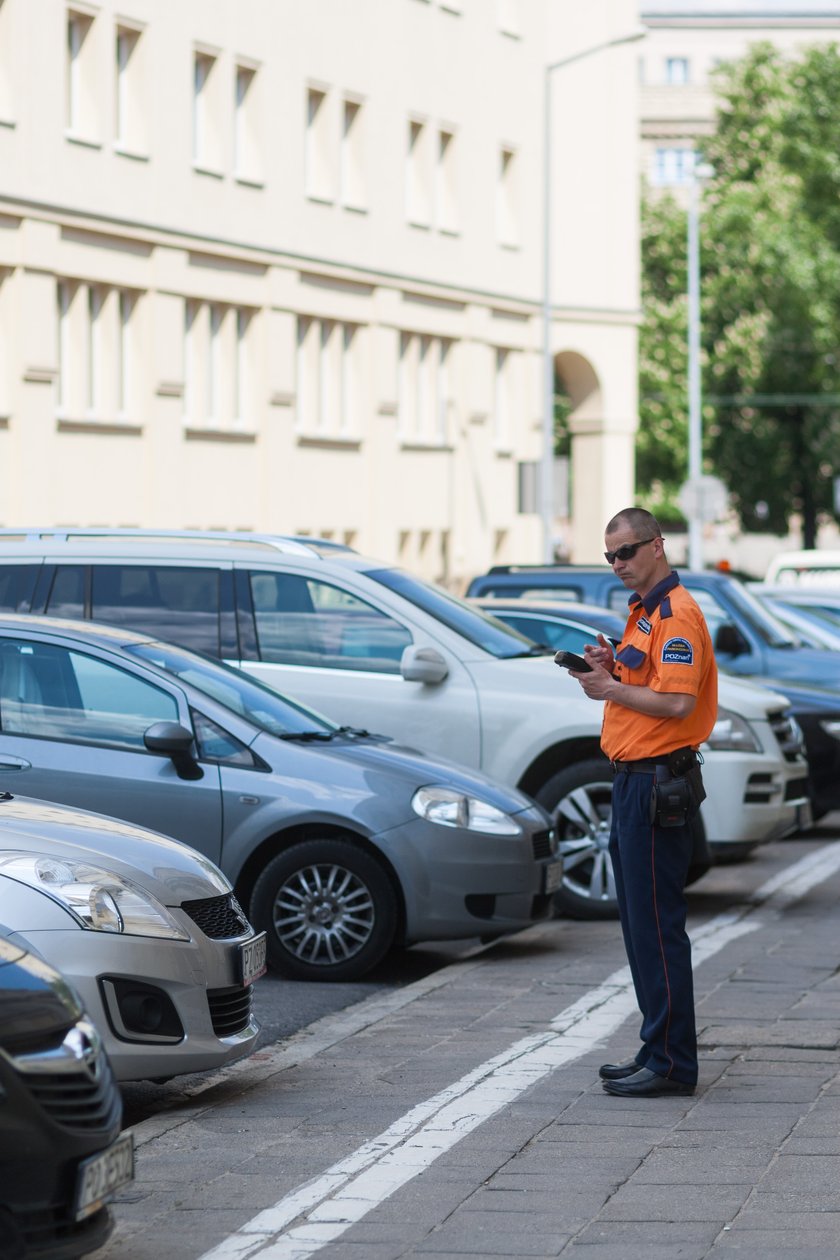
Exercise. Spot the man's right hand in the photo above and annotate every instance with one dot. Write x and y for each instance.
(599, 654)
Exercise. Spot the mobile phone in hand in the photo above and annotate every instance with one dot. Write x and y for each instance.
(571, 660)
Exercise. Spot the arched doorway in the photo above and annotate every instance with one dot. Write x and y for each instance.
(600, 449)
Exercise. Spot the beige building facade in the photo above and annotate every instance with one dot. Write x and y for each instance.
(277, 265)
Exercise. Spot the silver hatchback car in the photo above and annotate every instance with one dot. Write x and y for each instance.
(338, 842)
(145, 929)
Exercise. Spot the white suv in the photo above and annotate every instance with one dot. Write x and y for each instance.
(370, 645)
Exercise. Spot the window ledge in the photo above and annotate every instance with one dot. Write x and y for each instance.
(449, 231)
(214, 172)
(513, 246)
(503, 452)
(329, 441)
(415, 223)
(417, 444)
(198, 433)
(323, 199)
(121, 428)
(249, 181)
(85, 141)
(11, 123)
(355, 207)
(125, 150)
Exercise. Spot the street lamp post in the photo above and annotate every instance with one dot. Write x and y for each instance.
(547, 460)
(695, 416)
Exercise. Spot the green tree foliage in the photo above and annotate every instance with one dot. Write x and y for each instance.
(770, 268)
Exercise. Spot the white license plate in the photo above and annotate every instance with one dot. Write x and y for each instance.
(552, 877)
(252, 954)
(103, 1174)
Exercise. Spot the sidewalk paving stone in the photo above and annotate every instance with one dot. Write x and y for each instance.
(748, 1168)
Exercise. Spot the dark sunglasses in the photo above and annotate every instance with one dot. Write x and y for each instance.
(628, 551)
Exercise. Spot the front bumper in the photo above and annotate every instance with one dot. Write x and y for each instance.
(753, 798)
(458, 883)
(197, 979)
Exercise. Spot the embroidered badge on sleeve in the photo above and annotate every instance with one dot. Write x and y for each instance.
(678, 652)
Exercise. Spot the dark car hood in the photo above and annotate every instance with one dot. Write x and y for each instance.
(806, 697)
(815, 667)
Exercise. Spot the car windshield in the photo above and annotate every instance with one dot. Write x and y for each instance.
(773, 631)
(476, 626)
(244, 696)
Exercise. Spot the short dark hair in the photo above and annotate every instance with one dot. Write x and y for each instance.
(637, 519)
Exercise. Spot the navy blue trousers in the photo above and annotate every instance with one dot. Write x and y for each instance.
(651, 864)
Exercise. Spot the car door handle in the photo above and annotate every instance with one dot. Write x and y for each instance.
(14, 763)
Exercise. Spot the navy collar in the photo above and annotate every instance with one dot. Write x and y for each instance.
(656, 594)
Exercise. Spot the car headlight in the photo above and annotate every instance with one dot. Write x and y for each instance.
(101, 900)
(831, 726)
(732, 733)
(451, 808)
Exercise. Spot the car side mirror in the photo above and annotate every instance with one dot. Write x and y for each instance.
(423, 664)
(176, 742)
(729, 641)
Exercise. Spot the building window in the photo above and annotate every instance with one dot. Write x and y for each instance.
(96, 351)
(353, 191)
(319, 173)
(218, 371)
(418, 175)
(206, 113)
(446, 200)
(82, 120)
(125, 357)
(507, 210)
(246, 149)
(676, 71)
(502, 400)
(129, 123)
(6, 323)
(672, 166)
(424, 391)
(327, 378)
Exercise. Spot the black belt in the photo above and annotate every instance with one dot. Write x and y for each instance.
(639, 767)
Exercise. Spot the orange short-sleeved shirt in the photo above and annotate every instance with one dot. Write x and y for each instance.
(667, 647)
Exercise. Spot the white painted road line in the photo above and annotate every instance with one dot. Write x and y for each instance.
(324, 1208)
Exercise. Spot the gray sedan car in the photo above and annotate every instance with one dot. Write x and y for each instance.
(338, 842)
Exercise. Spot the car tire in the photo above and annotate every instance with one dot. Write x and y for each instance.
(579, 800)
(328, 908)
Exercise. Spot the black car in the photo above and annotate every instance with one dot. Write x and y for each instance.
(61, 1152)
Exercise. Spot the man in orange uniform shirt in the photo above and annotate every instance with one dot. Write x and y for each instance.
(660, 691)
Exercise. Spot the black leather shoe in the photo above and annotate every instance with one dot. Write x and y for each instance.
(616, 1071)
(646, 1084)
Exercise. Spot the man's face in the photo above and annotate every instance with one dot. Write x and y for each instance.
(641, 571)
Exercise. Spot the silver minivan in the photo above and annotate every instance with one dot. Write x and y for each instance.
(370, 645)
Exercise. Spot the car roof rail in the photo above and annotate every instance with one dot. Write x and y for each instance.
(290, 544)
